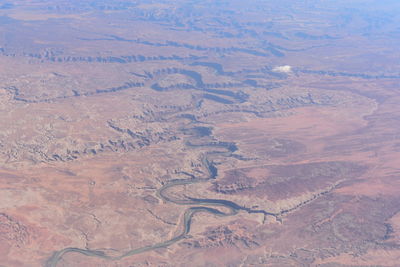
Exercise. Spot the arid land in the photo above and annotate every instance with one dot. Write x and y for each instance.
(103, 104)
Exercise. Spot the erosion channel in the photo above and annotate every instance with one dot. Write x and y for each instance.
(202, 205)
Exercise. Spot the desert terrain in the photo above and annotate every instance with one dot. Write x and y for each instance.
(199, 133)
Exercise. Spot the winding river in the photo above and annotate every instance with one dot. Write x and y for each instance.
(196, 205)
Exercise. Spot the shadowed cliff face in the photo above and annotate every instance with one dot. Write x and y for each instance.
(201, 133)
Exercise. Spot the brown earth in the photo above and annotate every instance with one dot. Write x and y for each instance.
(103, 103)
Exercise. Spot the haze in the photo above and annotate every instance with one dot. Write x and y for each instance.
(199, 133)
